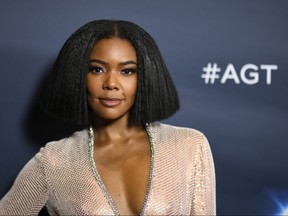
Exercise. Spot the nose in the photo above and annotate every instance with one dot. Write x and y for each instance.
(110, 82)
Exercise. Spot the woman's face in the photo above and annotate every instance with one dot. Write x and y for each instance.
(112, 78)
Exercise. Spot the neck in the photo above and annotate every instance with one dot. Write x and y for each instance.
(114, 129)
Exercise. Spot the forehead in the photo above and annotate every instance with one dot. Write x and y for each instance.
(114, 48)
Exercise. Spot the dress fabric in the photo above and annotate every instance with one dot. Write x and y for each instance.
(60, 176)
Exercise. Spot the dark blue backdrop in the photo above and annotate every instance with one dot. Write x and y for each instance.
(244, 118)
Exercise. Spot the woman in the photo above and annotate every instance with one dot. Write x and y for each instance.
(111, 76)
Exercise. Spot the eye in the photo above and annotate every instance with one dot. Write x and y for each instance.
(96, 70)
(128, 71)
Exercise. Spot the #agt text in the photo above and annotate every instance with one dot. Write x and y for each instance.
(248, 74)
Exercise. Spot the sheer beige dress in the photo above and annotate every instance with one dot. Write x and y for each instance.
(63, 176)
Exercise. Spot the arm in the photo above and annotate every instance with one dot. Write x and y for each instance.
(204, 199)
(29, 192)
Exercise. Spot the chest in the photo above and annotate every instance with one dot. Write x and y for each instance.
(124, 175)
(81, 188)
(85, 193)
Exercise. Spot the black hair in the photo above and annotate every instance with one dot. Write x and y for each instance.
(65, 96)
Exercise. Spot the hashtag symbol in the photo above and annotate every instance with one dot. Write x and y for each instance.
(210, 73)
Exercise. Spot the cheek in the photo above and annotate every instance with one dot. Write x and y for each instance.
(132, 89)
(92, 87)
(133, 84)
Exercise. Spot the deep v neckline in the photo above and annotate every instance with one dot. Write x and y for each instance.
(101, 183)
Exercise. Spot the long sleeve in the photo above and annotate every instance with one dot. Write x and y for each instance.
(204, 199)
(29, 192)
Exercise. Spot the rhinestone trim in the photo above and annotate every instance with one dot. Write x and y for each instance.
(100, 182)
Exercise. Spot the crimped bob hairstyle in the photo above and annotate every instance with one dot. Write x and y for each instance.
(64, 94)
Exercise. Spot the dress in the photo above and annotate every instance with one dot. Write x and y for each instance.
(62, 177)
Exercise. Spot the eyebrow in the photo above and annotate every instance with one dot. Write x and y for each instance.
(105, 63)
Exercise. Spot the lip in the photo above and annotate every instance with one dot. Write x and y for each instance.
(110, 102)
